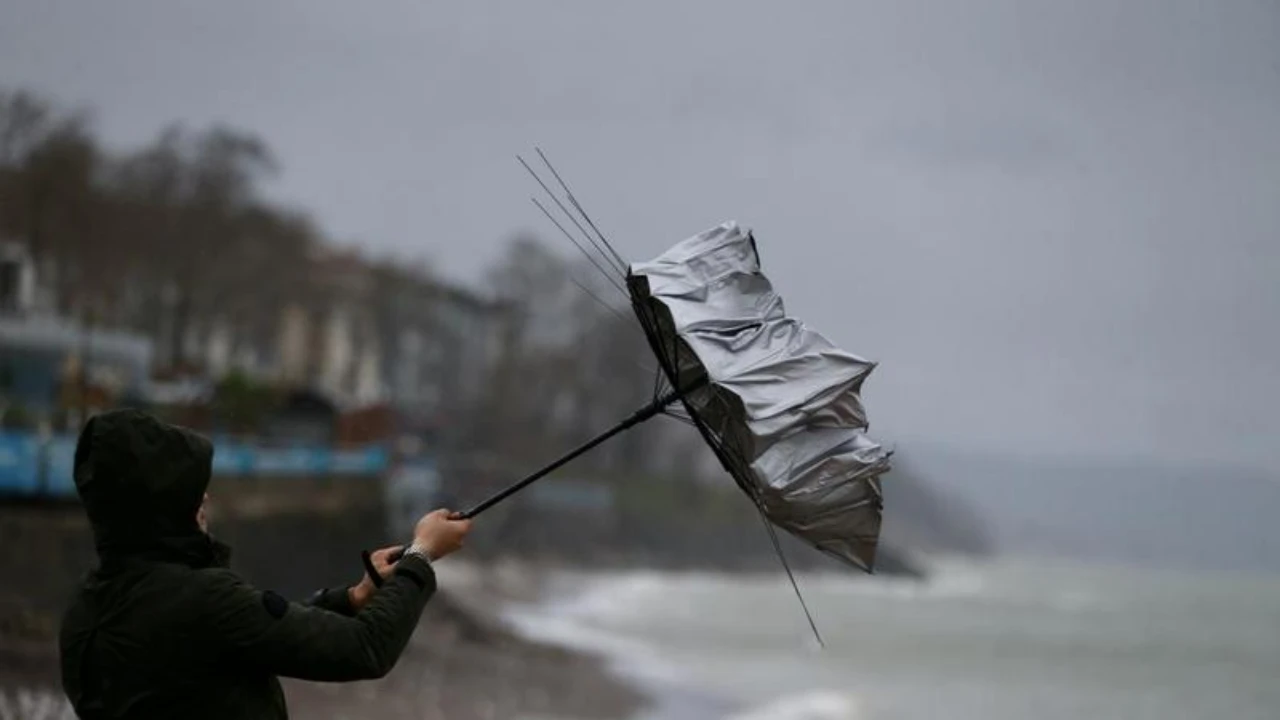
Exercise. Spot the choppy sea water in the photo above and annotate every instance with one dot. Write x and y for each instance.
(994, 641)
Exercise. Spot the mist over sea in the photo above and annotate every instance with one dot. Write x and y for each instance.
(990, 641)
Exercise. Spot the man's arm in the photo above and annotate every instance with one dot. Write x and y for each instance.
(335, 600)
(263, 630)
(379, 565)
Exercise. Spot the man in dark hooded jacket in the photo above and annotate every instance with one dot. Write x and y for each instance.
(163, 629)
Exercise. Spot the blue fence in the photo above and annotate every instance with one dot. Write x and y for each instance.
(30, 466)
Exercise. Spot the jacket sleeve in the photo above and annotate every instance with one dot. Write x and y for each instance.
(264, 631)
(336, 600)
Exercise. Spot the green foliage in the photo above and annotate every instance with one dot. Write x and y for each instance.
(16, 417)
(241, 403)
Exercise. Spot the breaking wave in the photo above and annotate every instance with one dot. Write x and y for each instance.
(739, 636)
(818, 705)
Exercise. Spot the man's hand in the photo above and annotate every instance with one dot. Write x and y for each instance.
(384, 561)
(440, 533)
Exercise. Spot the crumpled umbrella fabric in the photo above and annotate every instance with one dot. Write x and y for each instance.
(777, 401)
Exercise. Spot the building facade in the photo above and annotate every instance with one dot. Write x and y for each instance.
(51, 365)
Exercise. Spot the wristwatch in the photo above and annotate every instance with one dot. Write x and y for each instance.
(419, 550)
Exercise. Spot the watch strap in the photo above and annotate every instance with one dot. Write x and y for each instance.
(419, 550)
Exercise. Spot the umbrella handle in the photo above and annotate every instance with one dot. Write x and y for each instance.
(366, 558)
(645, 413)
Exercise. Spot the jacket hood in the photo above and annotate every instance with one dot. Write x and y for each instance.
(141, 482)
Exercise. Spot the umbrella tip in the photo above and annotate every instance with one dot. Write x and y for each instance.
(814, 643)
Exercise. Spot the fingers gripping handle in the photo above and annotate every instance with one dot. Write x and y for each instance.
(366, 557)
(369, 569)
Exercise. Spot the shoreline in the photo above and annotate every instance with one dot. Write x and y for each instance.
(534, 597)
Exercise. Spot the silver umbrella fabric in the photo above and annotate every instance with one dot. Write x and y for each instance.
(779, 404)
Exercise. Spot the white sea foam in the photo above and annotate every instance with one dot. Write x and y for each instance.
(34, 704)
(817, 705)
(568, 623)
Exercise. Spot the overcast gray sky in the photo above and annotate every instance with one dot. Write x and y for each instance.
(1055, 224)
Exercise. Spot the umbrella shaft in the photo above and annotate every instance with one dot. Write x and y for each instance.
(645, 413)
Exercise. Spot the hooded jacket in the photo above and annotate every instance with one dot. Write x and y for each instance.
(162, 628)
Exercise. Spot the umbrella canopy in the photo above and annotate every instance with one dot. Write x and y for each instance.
(778, 403)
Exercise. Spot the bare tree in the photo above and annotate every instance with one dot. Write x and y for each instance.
(208, 241)
(166, 240)
(49, 168)
(25, 118)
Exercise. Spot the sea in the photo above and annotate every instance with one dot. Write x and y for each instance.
(993, 640)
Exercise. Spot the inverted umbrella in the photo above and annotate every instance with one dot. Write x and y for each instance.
(777, 402)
